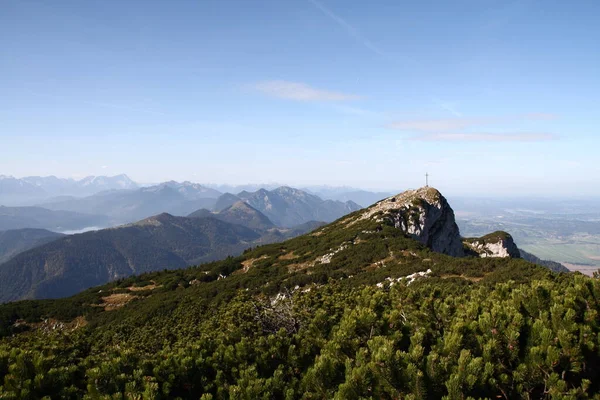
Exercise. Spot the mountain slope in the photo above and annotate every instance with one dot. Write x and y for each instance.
(42, 218)
(71, 264)
(551, 265)
(16, 241)
(288, 207)
(356, 309)
(80, 261)
(224, 201)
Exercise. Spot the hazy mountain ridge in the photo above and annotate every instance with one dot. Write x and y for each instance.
(284, 206)
(37, 188)
(42, 218)
(288, 207)
(224, 201)
(243, 214)
(345, 193)
(239, 213)
(192, 190)
(124, 206)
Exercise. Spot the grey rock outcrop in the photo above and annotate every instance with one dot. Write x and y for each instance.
(425, 215)
(497, 244)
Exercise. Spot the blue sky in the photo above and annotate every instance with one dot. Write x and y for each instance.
(490, 97)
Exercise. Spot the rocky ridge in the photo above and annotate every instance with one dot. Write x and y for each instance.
(496, 244)
(425, 215)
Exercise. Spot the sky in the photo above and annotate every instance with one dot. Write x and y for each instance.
(489, 97)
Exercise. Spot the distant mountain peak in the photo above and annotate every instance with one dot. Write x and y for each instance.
(224, 201)
(241, 205)
(155, 220)
(286, 189)
(159, 189)
(352, 204)
(239, 213)
(289, 207)
(191, 190)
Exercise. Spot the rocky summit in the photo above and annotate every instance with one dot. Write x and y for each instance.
(423, 214)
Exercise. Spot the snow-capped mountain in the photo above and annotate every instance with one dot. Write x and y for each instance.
(32, 189)
(100, 183)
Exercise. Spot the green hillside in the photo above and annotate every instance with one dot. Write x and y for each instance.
(354, 310)
(16, 241)
(77, 262)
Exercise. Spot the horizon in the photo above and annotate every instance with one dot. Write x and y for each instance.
(491, 99)
(314, 188)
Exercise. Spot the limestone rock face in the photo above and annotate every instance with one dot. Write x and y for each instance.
(425, 215)
(497, 244)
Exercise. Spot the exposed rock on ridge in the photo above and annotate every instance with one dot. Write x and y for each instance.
(497, 244)
(425, 215)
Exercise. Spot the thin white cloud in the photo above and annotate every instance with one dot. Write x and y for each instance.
(540, 116)
(104, 166)
(434, 125)
(453, 124)
(485, 137)
(350, 30)
(300, 91)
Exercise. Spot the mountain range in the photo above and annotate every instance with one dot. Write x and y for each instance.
(125, 206)
(386, 302)
(73, 263)
(288, 207)
(362, 197)
(33, 190)
(69, 264)
(19, 191)
(284, 206)
(340, 193)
